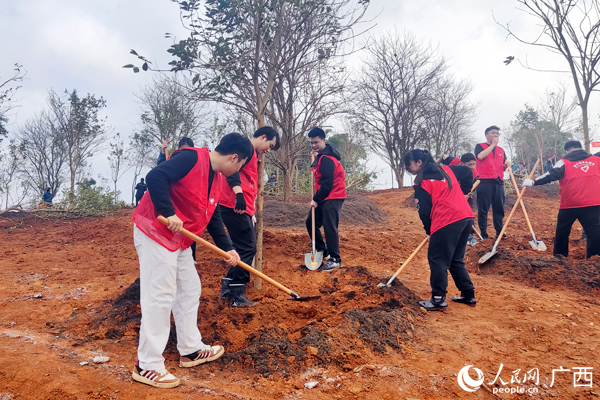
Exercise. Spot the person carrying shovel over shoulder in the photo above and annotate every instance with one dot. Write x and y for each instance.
(237, 209)
(186, 190)
(447, 218)
(579, 176)
(330, 186)
(491, 164)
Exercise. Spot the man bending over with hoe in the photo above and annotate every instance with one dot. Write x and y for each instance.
(579, 176)
(330, 185)
(237, 209)
(447, 219)
(185, 189)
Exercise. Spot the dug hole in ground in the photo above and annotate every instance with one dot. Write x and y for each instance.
(69, 294)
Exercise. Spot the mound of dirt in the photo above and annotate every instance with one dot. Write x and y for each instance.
(582, 275)
(357, 210)
(353, 320)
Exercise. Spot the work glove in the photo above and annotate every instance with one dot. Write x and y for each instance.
(528, 182)
(240, 202)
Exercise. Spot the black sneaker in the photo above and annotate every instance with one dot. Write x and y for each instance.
(436, 303)
(467, 297)
(331, 264)
(503, 236)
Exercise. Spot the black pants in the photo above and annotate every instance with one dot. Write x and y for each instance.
(327, 215)
(490, 193)
(447, 252)
(589, 218)
(137, 201)
(243, 236)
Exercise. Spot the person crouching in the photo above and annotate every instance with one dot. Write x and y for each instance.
(447, 219)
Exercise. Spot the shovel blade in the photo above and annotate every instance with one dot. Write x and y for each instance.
(487, 256)
(313, 262)
(538, 245)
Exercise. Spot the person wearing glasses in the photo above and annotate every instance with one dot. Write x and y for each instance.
(490, 164)
(330, 186)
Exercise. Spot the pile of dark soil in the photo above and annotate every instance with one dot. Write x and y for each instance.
(547, 272)
(357, 210)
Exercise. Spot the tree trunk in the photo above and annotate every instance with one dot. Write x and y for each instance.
(258, 260)
(288, 180)
(399, 176)
(586, 129)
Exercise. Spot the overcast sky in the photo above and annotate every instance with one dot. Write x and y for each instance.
(83, 44)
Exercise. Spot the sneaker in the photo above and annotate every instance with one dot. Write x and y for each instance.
(209, 353)
(436, 303)
(472, 241)
(160, 378)
(331, 264)
(503, 236)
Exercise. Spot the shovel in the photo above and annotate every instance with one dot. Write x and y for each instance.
(467, 197)
(408, 260)
(242, 264)
(313, 260)
(535, 244)
(494, 249)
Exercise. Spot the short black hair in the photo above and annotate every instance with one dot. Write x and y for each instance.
(142, 180)
(186, 140)
(47, 190)
(465, 158)
(271, 133)
(316, 132)
(235, 143)
(573, 144)
(491, 128)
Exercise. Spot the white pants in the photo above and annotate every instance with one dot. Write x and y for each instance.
(168, 282)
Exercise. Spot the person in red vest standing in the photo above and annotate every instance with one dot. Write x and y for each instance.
(330, 186)
(185, 189)
(237, 209)
(579, 176)
(491, 164)
(447, 219)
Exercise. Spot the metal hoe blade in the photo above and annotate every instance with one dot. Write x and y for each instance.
(538, 245)
(313, 262)
(302, 298)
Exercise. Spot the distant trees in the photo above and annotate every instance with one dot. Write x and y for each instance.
(403, 97)
(8, 89)
(571, 29)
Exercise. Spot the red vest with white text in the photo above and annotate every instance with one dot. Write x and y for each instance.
(492, 166)
(192, 203)
(580, 186)
(338, 191)
(249, 185)
(448, 206)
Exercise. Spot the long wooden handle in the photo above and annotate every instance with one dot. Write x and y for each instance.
(515, 206)
(312, 209)
(514, 181)
(408, 260)
(167, 153)
(473, 188)
(225, 255)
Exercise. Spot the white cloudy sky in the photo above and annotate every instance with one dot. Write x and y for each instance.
(83, 44)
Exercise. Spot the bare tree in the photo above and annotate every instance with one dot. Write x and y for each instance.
(8, 89)
(44, 157)
(117, 160)
(570, 28)
(558, 109)
(10, 162)
(450, 116)
(140, 152)
(398, 77)
(168, 111)
(81, 130)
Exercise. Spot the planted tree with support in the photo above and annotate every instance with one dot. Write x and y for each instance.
(570, 29)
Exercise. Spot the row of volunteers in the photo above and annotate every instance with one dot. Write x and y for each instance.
(198, 189)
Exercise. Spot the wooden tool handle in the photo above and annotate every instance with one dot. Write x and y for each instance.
(167, 153)
(227, 256)
(514, 181)
(516, 205)
(473, 188)
(409, 259)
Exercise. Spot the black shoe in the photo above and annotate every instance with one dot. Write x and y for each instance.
(467, 297)
(436, 303)
(331, 264)
(237, 296)
(225, 288)
(503, 236)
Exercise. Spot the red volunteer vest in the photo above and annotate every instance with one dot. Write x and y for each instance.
(456, 161)
(475, 173)
(193, 205)
(249, 185)
(338, 191)
(492, 166)
(580, 186)
(448, 206)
